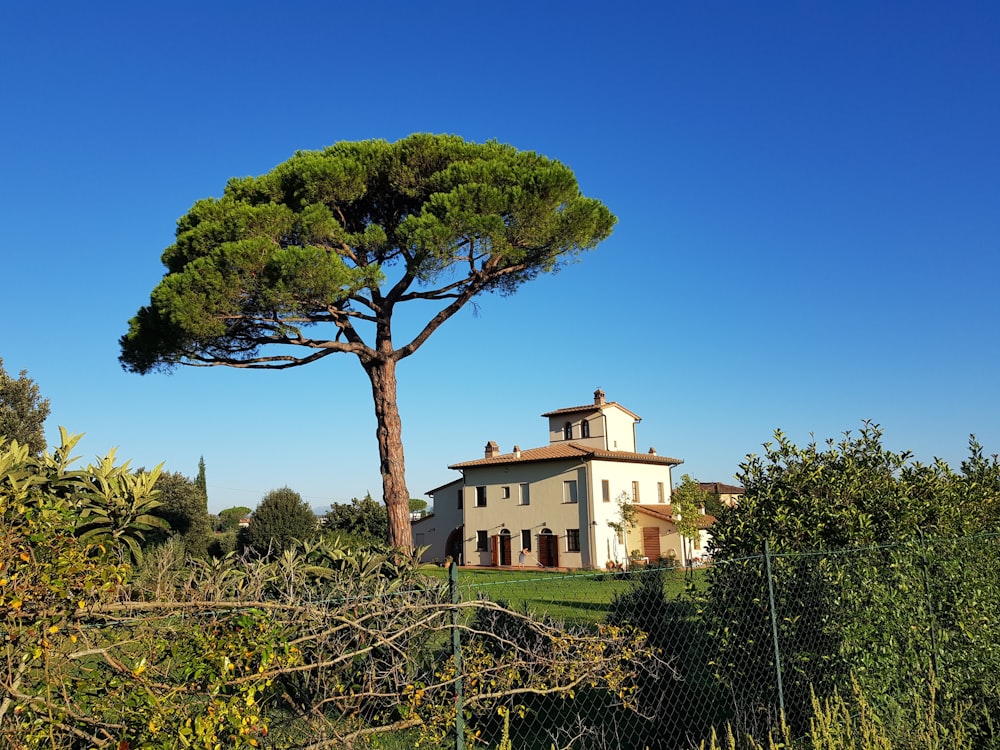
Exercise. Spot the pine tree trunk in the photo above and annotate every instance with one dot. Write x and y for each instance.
(382, 373)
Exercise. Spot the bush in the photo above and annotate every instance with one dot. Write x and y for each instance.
(681, 703)
(281, 521)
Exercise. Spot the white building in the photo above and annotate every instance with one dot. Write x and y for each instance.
(552, 506)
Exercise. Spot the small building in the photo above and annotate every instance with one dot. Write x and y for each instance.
(728, 494)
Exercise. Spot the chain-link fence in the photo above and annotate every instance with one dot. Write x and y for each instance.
(745, 641)
(292, 654)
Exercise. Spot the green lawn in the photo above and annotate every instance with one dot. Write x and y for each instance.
(575, 597)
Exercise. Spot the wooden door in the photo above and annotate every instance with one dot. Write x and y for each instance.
(651, 543)
(548, 550)
(505, 557)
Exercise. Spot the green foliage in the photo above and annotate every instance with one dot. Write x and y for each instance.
(853, 723)
(119, 505)
(297, 243)
(323, 645)
(364, 520)
(66, 540)
(281, 521)
(22, 411)
(854, 493)
(229, 519)
(895, 609)
(714, 505)
(201, 480)
(48, 569)
(687, 501)
(183, 507)
(223, 543)
(345, 235)
(677, 698)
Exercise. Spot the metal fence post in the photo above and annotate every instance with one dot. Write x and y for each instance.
(931, 619)
(774, 626)
(456, 646)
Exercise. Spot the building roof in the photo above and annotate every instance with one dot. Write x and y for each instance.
(561, 451)
(587, 408)
(666, 513)
(444, 486)
(718, 488)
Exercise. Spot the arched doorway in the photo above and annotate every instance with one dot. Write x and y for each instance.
(548, 549)
(453, 547)
(501, 548)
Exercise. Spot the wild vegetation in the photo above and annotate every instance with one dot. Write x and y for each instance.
(908, 585)
(869, 621)
(107, 644)
(23, 411)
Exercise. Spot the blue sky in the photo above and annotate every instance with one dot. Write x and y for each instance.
(808, 197)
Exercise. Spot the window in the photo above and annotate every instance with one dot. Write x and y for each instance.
(526, 539)
(572, 540)
(606, 490)
(585, 429)
(697, 542)
(505, 493)
(482, 541)
(635, 492)
(460, 499)
(660, 494)
(480, 497)
(568, 431)
(569, 491)
(524, 496)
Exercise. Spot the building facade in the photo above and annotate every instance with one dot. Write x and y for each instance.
(559, 505)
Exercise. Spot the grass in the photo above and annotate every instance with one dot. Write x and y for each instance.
(575, 597)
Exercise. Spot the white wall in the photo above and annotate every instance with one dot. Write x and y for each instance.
(433, 531)
(620, 476)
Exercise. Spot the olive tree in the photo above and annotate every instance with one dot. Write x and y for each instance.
(314, 258)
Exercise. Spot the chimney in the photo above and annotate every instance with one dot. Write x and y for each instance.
(652, 451)
(492, 449)
(517, 451)
(598, 397)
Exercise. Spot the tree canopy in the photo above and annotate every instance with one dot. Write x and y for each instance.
(312, 258)
(854, 492)
(183, 506)
(363, 519)
(688, 499)
(22, 411)
(229, 519)
(281, 520)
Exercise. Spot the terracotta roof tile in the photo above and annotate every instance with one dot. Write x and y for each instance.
(587, 408)
(666, 513)
(663, 512)
(568, 450)
(718, 488)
